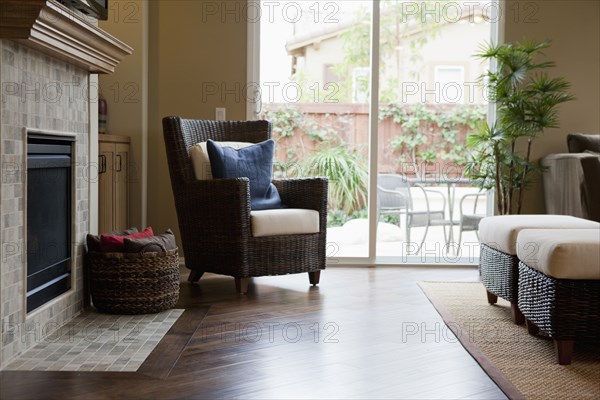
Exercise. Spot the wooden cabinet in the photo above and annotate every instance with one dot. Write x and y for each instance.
(113, 185)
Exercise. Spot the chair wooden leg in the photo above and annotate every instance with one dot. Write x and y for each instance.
(564, 351)
(314, 277)
(532, 328)
(195, 276)
(241, 285)
(491, 297)
(517, 315)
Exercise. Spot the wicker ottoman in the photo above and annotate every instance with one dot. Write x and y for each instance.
(559, 285)
(498, 262)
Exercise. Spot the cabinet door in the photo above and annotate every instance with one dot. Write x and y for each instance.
(105, 187)
(121, 210)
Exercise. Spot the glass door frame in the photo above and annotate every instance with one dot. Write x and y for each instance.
(254, 106)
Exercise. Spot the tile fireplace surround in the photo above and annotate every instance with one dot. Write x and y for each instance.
(47, 95)
(47, 53)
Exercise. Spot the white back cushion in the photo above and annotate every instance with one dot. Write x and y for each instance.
(201, 162)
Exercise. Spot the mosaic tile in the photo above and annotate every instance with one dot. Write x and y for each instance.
(108, 351)
(27, 75)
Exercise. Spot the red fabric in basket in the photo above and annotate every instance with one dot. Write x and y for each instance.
(115, 244)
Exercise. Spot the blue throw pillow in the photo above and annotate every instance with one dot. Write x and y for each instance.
(254, 162)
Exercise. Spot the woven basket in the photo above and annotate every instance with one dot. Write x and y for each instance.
(134, 283)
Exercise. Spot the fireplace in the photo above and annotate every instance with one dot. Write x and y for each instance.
(49, 237)
(45, 65)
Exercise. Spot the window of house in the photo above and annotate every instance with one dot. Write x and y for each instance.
(360, 85)
(449, 84)
(329, 75)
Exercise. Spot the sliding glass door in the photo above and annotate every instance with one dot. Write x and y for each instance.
(430, 100)
(317, 97)
(395, 156)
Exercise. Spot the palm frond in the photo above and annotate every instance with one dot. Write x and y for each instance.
(531, 46)
(541, 83)
(487, 50)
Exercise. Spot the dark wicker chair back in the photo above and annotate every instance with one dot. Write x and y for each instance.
(181, 134)
(214, 215)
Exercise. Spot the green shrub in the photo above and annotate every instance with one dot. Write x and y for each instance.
(347, 172)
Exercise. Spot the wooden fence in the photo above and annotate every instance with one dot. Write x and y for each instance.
(351, 124)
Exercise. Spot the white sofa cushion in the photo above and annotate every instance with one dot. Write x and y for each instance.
(561, 253)
(284, 221)
(201, 162)
(500, 232)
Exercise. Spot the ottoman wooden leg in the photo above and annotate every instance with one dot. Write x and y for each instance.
(532, 328)
(564, 351)
(517, 315)
(491, 297)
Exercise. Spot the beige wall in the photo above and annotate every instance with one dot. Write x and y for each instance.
(126, 92)
(180, 48)
(189, 50)
(574, 27)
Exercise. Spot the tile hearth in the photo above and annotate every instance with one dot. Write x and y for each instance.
(98, 342)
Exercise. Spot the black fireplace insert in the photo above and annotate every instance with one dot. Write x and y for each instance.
(49, 192)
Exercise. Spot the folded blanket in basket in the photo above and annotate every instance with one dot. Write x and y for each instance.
(114, 243)
(164, 242)
(93, 241)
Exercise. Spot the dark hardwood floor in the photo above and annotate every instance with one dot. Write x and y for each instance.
(362, 333)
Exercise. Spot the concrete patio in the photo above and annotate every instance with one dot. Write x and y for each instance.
(351, 239)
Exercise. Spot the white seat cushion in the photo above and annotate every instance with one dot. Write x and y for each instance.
(561, 253)
(284, 221)
(500, 232)
(201, 161)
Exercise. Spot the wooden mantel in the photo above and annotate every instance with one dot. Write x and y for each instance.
(55, 30)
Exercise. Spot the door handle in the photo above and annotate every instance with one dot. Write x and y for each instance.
(102, 164)
(258, 99)
(119, 164)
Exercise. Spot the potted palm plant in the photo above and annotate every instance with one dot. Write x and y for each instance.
(527, 101)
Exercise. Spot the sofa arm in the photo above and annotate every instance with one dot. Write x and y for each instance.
(580, 143)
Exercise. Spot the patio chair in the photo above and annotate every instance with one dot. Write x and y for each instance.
(394, 197)
(218, 229)
(470, 218)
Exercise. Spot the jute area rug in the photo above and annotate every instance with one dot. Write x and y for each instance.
(523, 366)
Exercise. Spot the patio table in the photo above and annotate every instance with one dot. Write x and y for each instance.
(451, 184)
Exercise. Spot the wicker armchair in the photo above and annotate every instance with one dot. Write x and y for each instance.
(214, 215)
